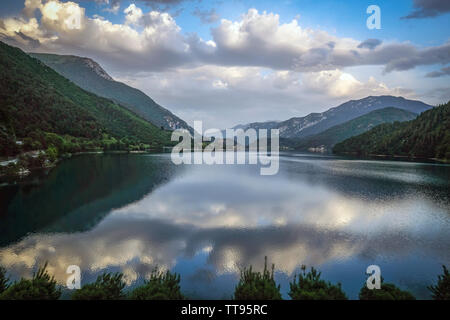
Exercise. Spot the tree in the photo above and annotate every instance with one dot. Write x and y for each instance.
(3, 280)
(256, 286)
(161, 286)
(52, 153)
(310, 287)
(40, 287)
(388, 291)
(441, 291)
(108, 286)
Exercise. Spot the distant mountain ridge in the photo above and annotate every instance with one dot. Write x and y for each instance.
(325, 140)
(89, 75)
(315, 123)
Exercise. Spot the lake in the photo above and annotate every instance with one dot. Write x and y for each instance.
(132, 212)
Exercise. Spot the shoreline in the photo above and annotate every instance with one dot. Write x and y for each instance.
(385, 156)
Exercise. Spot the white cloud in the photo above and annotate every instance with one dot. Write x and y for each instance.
(256, 67)
(133, 14)
(224, 96)
(337, 83)
(153, 41)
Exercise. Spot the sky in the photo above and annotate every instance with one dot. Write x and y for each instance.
(233, 62)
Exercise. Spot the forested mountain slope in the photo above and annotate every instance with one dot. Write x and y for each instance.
(427, 136)
(328, 138)
(39, 107)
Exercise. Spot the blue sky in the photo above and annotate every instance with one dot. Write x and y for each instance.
(248, 58)
(344, 18)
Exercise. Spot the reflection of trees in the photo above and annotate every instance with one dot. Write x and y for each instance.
(78, 193)
(371, 180)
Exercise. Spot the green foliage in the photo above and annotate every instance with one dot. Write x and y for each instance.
(161, 286)
(52, 153)
(310, 287)
(3, 280)
(338, 133)
(107, 287)
(388, 291)
(40, 287)
(81, 72)
(427, 136)
(40, 107)
(256, 286)
(441, 291)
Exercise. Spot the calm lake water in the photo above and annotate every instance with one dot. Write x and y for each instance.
(130, 213)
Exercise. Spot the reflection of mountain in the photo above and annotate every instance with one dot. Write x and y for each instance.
(368, 179)
(78, 193)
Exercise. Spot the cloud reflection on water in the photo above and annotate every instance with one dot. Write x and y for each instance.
(234, 218)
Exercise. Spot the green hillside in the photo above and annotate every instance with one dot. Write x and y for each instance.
(333, 135)
(427, 136)
(89, 75)
(40, 108)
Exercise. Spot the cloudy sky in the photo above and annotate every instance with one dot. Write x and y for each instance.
(230, 62)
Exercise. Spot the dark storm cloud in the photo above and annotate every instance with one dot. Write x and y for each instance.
(33, 43)
(427, 56)
(206, 16)
(435, 74)
(369, 44)
(428, 8)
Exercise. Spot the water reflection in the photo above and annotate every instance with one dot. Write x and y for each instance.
(208, 221)
(77, 194)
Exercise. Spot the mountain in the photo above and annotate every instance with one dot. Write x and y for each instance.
(317, 122)
(427, 136)
(40, 108)
(327, 139)
(258, 125)
(90, 76)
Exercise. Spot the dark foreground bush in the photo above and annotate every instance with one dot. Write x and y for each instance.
(107, 287)
(161, 286)
(388, 291)
(441, 291)
(40, 287)
(310, 287)
(256, 286)
(3, 280)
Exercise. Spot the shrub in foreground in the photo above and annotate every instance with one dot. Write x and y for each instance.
(388, 291)
(310, 287)
(3, 280)
(441, 291)
(107, 287)
(257, 286)
(41, 287)
(161, 286)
